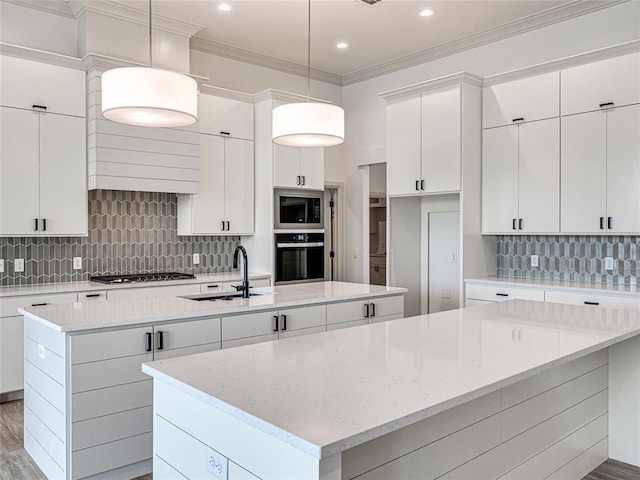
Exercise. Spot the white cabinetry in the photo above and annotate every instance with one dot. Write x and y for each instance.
(423, 141)
(298, 167)
(521, 178)
(360, 312)
(225, 116)
(495, 293)
(42, 153)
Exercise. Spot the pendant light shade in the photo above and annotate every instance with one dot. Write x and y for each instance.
(149, 97)
(308, 124)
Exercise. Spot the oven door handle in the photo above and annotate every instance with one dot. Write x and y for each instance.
(298, 245)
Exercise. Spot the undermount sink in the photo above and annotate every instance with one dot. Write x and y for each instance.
(208, 297)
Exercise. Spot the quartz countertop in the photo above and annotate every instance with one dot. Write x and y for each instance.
(604, 288)
(84, 316)
(328, 392)
(87, 286)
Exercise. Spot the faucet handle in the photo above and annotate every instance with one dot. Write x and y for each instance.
(239, 288)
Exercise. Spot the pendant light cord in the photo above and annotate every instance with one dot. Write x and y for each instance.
(308, 52)
(150, 39)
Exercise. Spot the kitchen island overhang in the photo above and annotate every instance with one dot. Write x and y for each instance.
(340, 402)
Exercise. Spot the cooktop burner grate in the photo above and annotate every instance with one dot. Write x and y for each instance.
(142, 277)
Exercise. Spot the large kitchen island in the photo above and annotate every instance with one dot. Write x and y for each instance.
(520, 390)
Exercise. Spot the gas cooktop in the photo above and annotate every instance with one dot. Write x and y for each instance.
(142, 277)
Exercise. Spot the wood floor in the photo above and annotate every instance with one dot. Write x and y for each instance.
(16, 464)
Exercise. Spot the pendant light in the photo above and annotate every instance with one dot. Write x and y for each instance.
(308, 124)
(148, 96)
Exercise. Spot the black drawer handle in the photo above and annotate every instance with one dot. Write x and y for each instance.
(373, 309)
(39, 107)
(284, 322)
(39, 304)
(421, 184)
(520, 224)
(92, 295)
(148, 348)
(225, 133)
(520, 119)
(608, 104)
(36, 227)
(160, 340)
(609, 223)
(418, 185)
(601, 223)
(44, 224)
(591, 303)
(213, 286)
(502, 294)
(513, 224)
(276, 318)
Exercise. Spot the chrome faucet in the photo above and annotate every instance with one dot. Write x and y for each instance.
(245, 273)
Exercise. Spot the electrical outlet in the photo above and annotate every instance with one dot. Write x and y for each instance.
(77, 263)
(196, 258)
(217, 464)
(19, 265)
(1, 265)
(534, 260)
(608, 263)
(356, 254)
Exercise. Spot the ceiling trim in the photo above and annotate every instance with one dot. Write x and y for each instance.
(548, 17)
(226, 93)
(205, 45)
(27, 53)
(58, 7)
(279, 95)
(444, 81)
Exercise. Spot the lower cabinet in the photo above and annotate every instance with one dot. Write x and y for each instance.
(478, 294)
(359, 312)
(583, 298)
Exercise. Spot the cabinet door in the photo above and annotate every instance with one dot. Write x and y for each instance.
(441, 141)
(615, 80)
(312, 168)
(218, 114)
(533, 98)
(286, 166)
(63, 175)
(499, 179)
(583, 172)
(207, 207)
(539, 176)
(174, 336)
(239, 186)
(19, 171)
(623, 168)
(303, 317)
(250, 325)
(403, 146)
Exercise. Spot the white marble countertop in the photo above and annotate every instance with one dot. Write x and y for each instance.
(82, 316)
(328, 392)
(604, 288)
(87, 286)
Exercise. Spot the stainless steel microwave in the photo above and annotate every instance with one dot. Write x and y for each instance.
(299, 209)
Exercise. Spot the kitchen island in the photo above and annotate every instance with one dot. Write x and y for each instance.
(88, 406)
(519, 390)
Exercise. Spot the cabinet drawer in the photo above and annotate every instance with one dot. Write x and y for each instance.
(305, 317)
(532, 98)
(581, 298)
(615, 80)
(345, 312)
(167, 290)
(493, 293)
(250, 325)
(104, 345)
(382, 307)
(188, 334)
(9, 305)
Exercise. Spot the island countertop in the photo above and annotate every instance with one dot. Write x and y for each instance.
(329, 392)
(78, 317)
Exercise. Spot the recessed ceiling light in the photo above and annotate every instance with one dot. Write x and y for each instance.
(426, 12)
(225, 7)
(342, 45)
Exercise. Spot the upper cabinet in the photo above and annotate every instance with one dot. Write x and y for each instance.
(43, 189)
(523, 100)
(225, 116)
(424, 137)
(614, 82)
(295, 167)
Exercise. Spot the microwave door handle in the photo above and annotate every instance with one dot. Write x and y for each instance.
(299, 245)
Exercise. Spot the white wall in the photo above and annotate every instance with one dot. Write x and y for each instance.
(365, 141)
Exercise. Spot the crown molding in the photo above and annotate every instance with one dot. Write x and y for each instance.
(116, 9)
(226, 93)
(27, 53)
(209, 46)
(446, 80)
(279, 95)
(562, 63)
(551, 16)
(57, 7)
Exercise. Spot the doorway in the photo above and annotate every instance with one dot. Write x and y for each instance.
(444, 265)
(378, 224)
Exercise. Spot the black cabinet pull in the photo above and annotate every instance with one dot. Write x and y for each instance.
(222, 227)
(276, 318)
(304, 180)
(609, 223)
(148, 348)
(92, 295)
(36, 227)
(502, 294)
(284, 322)
(160, 340)
(513, 223)
(520, 224)
(213, 286)
(366, 310)
(299, 180)
(608, 104)
(591, 303)
(520, 119)
(417, 185)
(228, 225)
(373, 309)
(601, 223)
(44, 224)
(225, 133)
(39, 107)
(39, 304)
(421, 184)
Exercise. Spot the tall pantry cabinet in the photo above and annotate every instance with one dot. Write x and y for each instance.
(43, 186)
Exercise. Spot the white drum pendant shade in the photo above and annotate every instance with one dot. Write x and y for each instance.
(149, 97)
(308, 124)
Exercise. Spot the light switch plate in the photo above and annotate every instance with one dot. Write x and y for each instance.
(534, 260)
(356, 254)
(217, 464)
(608, 263)
(1, 265)
(77, 263)
(19, 265)
(41, 351)
(196, 258)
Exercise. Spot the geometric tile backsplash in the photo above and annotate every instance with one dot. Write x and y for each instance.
(570, 257)
(129, 232)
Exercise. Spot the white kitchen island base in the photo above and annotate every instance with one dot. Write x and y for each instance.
(518, 390)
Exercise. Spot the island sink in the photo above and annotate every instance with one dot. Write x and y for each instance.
(221, 296)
